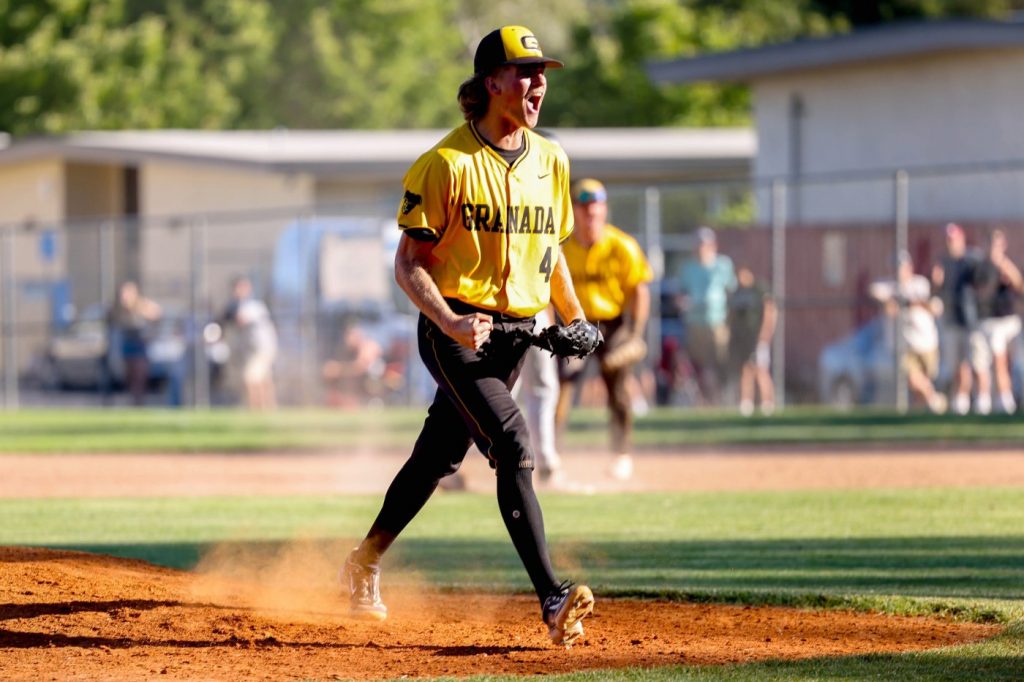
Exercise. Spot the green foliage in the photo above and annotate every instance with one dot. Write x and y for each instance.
(222, 64)
(867, 13)
(86, 65)
(606, 82)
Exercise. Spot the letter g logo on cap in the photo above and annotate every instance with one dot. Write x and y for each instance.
(530, 42)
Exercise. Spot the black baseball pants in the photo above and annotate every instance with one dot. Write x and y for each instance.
(473, 403)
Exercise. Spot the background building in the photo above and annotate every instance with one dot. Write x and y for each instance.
(869, 142)
(182, 212)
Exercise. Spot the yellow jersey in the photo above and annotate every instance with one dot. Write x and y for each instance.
(606, 273)
(497, 226)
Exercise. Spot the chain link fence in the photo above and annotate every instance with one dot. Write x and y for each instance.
(816, 243)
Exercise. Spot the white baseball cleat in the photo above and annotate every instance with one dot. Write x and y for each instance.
(363, 583)
(564, 611)
(622, 467)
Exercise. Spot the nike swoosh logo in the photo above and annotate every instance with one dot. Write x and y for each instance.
(543, 175)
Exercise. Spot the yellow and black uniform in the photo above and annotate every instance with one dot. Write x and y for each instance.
(497, 220)
(492, 220)
(605, 275)
(497, 225)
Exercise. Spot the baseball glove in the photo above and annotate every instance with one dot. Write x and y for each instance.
(629, 352)
(577, 339)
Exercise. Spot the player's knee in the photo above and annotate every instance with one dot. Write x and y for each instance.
(426, 462)
(513, 467)
(511, 450)
(433, 468)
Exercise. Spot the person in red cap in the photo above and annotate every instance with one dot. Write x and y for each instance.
(483, 217)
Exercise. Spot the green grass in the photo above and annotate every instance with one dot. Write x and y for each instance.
(59, 430)
(932, 544)
(958, 553)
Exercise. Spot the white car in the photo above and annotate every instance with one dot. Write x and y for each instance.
(860, 368)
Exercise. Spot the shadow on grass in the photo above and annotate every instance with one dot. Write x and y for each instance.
(956, 567)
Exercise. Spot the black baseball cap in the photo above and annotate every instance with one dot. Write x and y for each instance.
(509, 45)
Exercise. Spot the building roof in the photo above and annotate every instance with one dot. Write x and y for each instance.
(885, 42)
(369, 154)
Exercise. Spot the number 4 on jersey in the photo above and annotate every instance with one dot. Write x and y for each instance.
(545, 265)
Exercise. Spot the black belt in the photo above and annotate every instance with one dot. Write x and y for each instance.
(463, 308)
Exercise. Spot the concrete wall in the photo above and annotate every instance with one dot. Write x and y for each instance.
(232, 247)
(31, 196)
(948, 109)
(175, 188)
(345, 197)
(94, 193)
(32, 191)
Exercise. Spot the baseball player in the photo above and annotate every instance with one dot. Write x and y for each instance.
(482, 219)
(610, 274)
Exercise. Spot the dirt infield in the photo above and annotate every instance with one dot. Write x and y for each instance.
(150, 475)
(75, 616)
(78, 616)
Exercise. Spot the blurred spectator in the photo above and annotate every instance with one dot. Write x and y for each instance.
(353, 377)
(911, 294)
(998, 284)
(128, 322)
(964, 351)
(752, 317)
(254, 345)
(705, 282)
(675, 376)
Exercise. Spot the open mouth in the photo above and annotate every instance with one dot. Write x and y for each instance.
(533, 102)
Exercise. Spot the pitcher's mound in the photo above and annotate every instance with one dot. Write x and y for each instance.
(69, 615)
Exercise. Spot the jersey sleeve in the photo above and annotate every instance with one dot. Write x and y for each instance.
(423, 211)
(563, 195)
(639, 270)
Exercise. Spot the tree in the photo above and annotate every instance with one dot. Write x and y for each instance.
(389, 63)
(868, 13)
(368, 64)
(605, 82)
(223, 64)
(89, 65)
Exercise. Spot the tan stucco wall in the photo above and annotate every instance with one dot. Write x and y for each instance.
(171, 188)
(94, 195)
(233, 245)
(361, 199)
(954, 108)
(33, 190)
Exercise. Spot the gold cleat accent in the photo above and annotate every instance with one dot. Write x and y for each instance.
(564, 613)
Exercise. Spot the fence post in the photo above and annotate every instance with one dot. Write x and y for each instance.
(902, 194)
(7, 283)
(779, 189)
(197, 303)
(108, 262)
(309, 333)
(656, 257)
